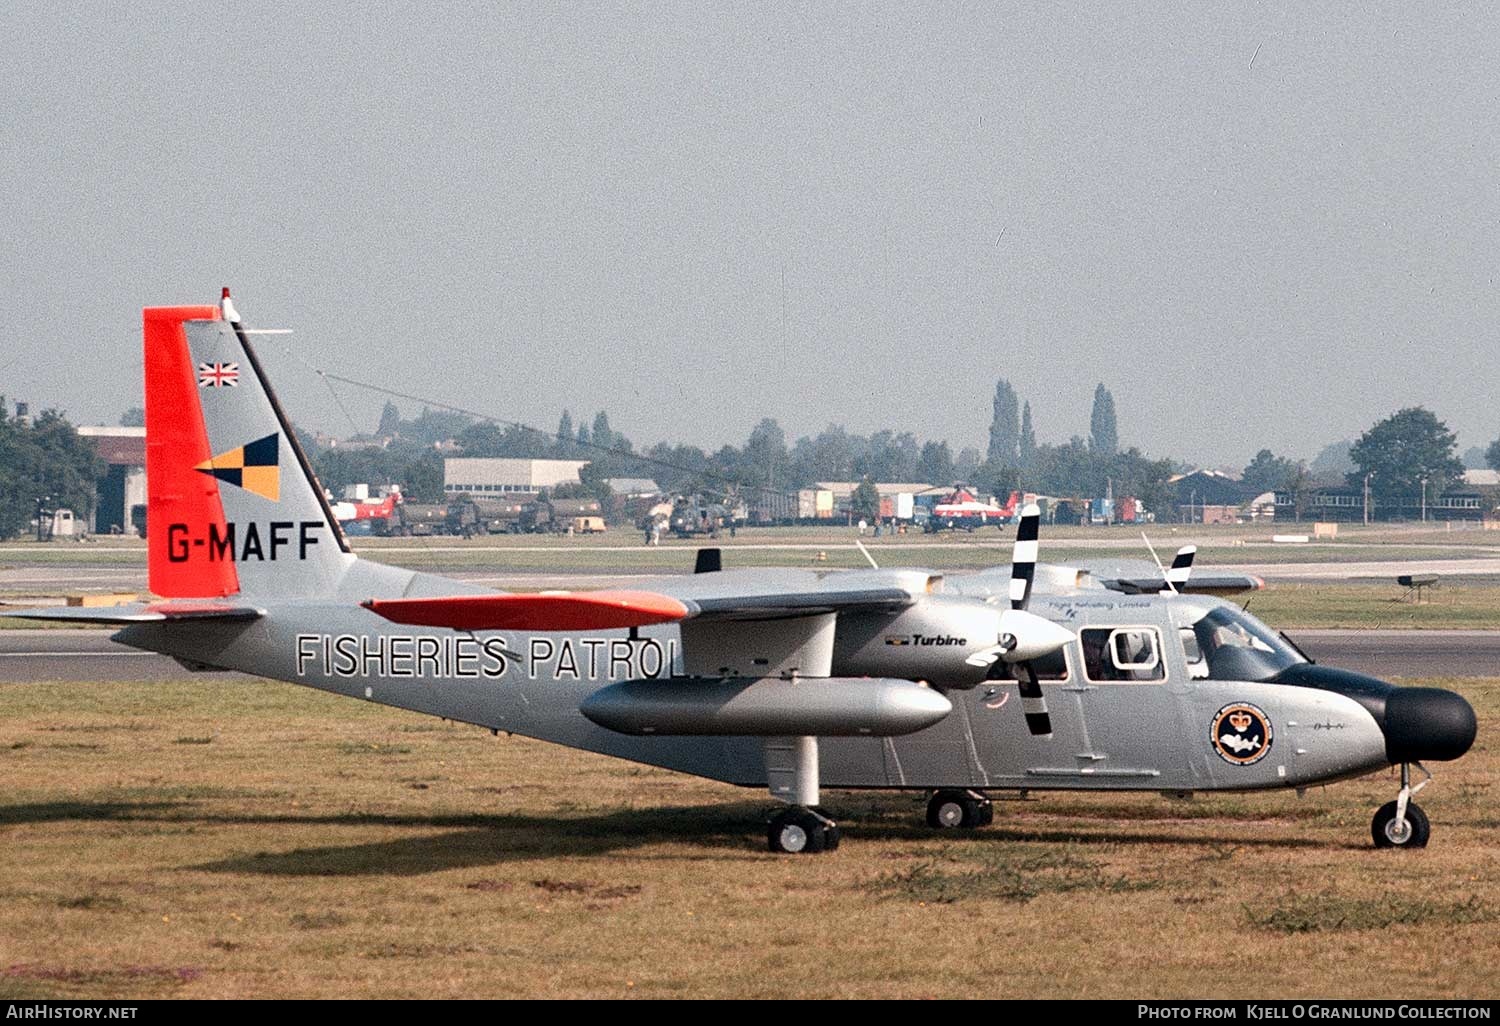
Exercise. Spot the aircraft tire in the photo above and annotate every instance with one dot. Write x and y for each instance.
(799, 831)
(955, 810)
(1383, 827)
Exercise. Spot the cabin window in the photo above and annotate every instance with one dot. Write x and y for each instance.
(1121, 654)
(1050, 667)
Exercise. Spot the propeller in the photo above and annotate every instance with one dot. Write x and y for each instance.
(1022, 575)
(1024, 636)
(1023, 556)
(1182, 566)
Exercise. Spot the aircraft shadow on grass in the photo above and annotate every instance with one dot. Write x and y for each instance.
(467, 841)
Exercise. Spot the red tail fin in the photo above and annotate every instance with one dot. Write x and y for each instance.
(181, 504)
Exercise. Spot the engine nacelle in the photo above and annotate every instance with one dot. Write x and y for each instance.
(931, 640)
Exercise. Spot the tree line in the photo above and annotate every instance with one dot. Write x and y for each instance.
(1397, 454)
(45, 465)
(768, 461)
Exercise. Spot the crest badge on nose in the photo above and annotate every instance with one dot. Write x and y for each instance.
(1241, 734)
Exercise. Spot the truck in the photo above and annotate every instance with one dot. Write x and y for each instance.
(413, 520)
(814, 504)
(469, 516)
(556, 516)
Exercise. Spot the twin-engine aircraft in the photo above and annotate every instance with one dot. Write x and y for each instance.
(1024, 678)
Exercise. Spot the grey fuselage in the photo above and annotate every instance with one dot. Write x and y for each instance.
(1163, 734)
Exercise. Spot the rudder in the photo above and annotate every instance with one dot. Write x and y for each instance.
(233, 505)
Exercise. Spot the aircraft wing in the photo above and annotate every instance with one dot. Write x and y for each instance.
(142, 612)
(744, 623)
(729, 595)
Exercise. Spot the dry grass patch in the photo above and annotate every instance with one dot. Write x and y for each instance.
(1331, 912)
(293, 857)
(1014, 873)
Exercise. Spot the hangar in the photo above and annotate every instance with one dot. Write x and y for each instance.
(496, 475)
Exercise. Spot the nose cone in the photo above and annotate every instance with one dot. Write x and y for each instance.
(1418, 723)
(1427, 724)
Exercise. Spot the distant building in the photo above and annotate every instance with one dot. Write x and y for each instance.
(354, 443)
(1209, 497)
(1348, 504)
(891, 502)
(633, 487)
(494, 475)
(844, 490)
(122, 489)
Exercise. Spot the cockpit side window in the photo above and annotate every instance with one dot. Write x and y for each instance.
(1196, 664)
(1122, 654)
(1236, 646)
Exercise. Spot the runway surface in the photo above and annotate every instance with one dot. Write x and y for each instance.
(89, 655)
(66, 580)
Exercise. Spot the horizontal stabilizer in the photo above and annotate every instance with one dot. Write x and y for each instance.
(139, 612)
(544, 611)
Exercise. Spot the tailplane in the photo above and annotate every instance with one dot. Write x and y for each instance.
(233, 506)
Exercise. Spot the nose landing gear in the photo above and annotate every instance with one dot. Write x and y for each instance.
(1402, 823)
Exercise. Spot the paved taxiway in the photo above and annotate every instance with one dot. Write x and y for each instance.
(89, 655)
(67, 579)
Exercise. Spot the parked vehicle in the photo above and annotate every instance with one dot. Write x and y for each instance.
(413, 520)
(469, 516)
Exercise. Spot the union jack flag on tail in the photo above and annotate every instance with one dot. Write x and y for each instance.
(218, 375)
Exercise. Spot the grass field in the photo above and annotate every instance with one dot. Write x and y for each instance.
(621, 548)
(1287, 605)
(254, 839)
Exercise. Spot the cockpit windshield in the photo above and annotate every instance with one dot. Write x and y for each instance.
(1233, 645)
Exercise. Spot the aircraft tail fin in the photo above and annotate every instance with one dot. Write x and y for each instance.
(233, 506)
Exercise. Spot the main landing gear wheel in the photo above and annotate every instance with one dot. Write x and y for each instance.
(949, 810)
(1412, 833)
(798, 831)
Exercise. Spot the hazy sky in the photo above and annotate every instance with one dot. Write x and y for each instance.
(1259, 225)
